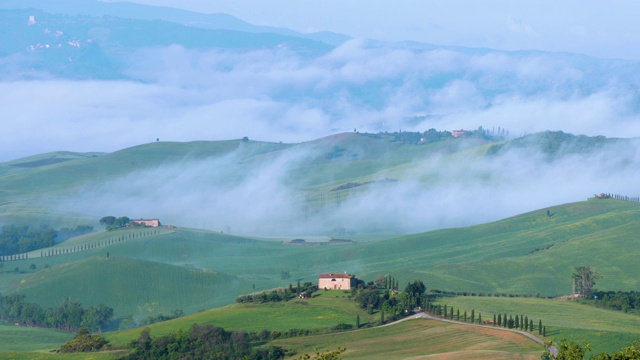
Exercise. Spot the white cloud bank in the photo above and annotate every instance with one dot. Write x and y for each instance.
(275, 95)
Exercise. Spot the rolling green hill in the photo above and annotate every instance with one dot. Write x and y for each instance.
(145, 272)
(605, 330)
(194, 269)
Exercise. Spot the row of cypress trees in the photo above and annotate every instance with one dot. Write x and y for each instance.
(518, 322)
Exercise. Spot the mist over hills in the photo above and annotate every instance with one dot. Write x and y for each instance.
(342, 185)
(277, 155)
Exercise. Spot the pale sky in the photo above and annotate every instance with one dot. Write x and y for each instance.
(602, 29)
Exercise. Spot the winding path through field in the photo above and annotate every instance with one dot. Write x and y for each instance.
(552, 349)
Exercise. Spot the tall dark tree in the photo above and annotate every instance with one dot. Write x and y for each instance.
(416, 290)
(584, 279)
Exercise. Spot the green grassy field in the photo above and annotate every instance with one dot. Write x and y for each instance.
(421, 339)
(605, 330)
(20, 342)
(22, 338)
(194, 269)
(325, 310)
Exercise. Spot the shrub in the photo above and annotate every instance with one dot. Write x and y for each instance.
(342, 327)
(84, 342)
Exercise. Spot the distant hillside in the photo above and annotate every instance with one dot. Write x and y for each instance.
(127, 10)
(557, 144)
(84, 47)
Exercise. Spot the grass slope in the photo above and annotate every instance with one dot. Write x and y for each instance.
(325, 310)
(130, 286)
(421, 339)
(22, 338)
(502, 256)
(194, 269)
(605, 330)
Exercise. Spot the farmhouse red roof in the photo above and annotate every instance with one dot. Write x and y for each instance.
(333, 276)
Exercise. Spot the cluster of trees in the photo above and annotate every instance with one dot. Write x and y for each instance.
(112, 222)
(380, 295)
(573, 351)
(627, 301)
(67, 233)
(175, 313)
(16, 241)
(70, 315)
(21, 239)
(433, 135)
(277, 295)
(203, 342)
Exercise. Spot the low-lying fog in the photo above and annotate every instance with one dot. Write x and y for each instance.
(226, 194)
(178, 94)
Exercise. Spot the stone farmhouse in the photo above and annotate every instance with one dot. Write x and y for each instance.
(147, 222)
(342, 281)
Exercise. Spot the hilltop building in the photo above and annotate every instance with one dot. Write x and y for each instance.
(458, 133)
(147, 222)
(332, 281)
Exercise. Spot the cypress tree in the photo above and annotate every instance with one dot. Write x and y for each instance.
(544, 331)
(465, 315)
(479, 318)
(531, 325)
(540, 327)
(445, 311)
(451, 314)
(473, 316)
(517, 322)
(499, 319)
(521, 322)
(526, 323)
(458, 314)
